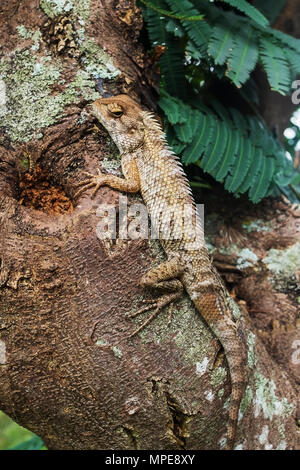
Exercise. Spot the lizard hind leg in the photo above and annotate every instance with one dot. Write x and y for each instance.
(163, 278)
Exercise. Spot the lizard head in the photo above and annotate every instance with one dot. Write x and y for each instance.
(122, 118)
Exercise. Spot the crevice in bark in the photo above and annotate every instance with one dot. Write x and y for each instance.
(179, 421)
(132, 436)
(219, 357)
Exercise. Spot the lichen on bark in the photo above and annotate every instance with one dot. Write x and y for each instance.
(30, 76)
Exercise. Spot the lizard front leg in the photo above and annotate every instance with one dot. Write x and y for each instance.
(162, 277)
(129, 184)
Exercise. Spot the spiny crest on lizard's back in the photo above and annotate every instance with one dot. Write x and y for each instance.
(155, 139)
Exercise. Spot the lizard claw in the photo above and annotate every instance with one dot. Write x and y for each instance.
(93, 180)
(150, 306)
(157, 305)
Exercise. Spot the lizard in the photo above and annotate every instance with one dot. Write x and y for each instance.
(150, 167)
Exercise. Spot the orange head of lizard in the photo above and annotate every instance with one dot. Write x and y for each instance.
(122, 118)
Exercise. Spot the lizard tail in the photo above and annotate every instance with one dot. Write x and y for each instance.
(234, 355)
(225, 330)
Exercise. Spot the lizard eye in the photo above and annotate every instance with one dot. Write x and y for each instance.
(115, 110)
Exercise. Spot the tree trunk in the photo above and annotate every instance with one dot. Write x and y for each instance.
(69, 371)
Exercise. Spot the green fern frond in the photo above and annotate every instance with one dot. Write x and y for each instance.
(285, 174)
(226, 161)
(249, 10)
(226, 36)
(172, 69)
(225, 166)
(174, 108)
(198, 31)
(172, 60)
(293, 59)
(186, 131)
(236, 150)
(175, 28)
(172, 139)
(215, 149)
(241, 165)
(169, 14)
(239, 121)
(254, 170)
(275, 64)
(193, 51)
(289, 41)
(243, 56)
(257, 192)
(221, 41)
(193, 152)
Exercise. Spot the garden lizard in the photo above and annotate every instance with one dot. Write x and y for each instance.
(151, 168)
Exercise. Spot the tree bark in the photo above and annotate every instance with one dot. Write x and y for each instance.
(69, 372)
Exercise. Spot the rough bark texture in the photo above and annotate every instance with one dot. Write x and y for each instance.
(68, 370)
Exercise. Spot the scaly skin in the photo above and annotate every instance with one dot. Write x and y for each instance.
(151, 168)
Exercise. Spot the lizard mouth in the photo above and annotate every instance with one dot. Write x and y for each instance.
(96, 112)
(94, 109)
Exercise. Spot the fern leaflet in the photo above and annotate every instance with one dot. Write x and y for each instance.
(249, 10)
(276, 65)
(161, 11)
(258, 191)
(198, 31)
(172, 60)
(243, 57)
(221, 42)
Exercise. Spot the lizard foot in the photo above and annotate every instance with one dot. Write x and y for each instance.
(157, 305)
(93, 180)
